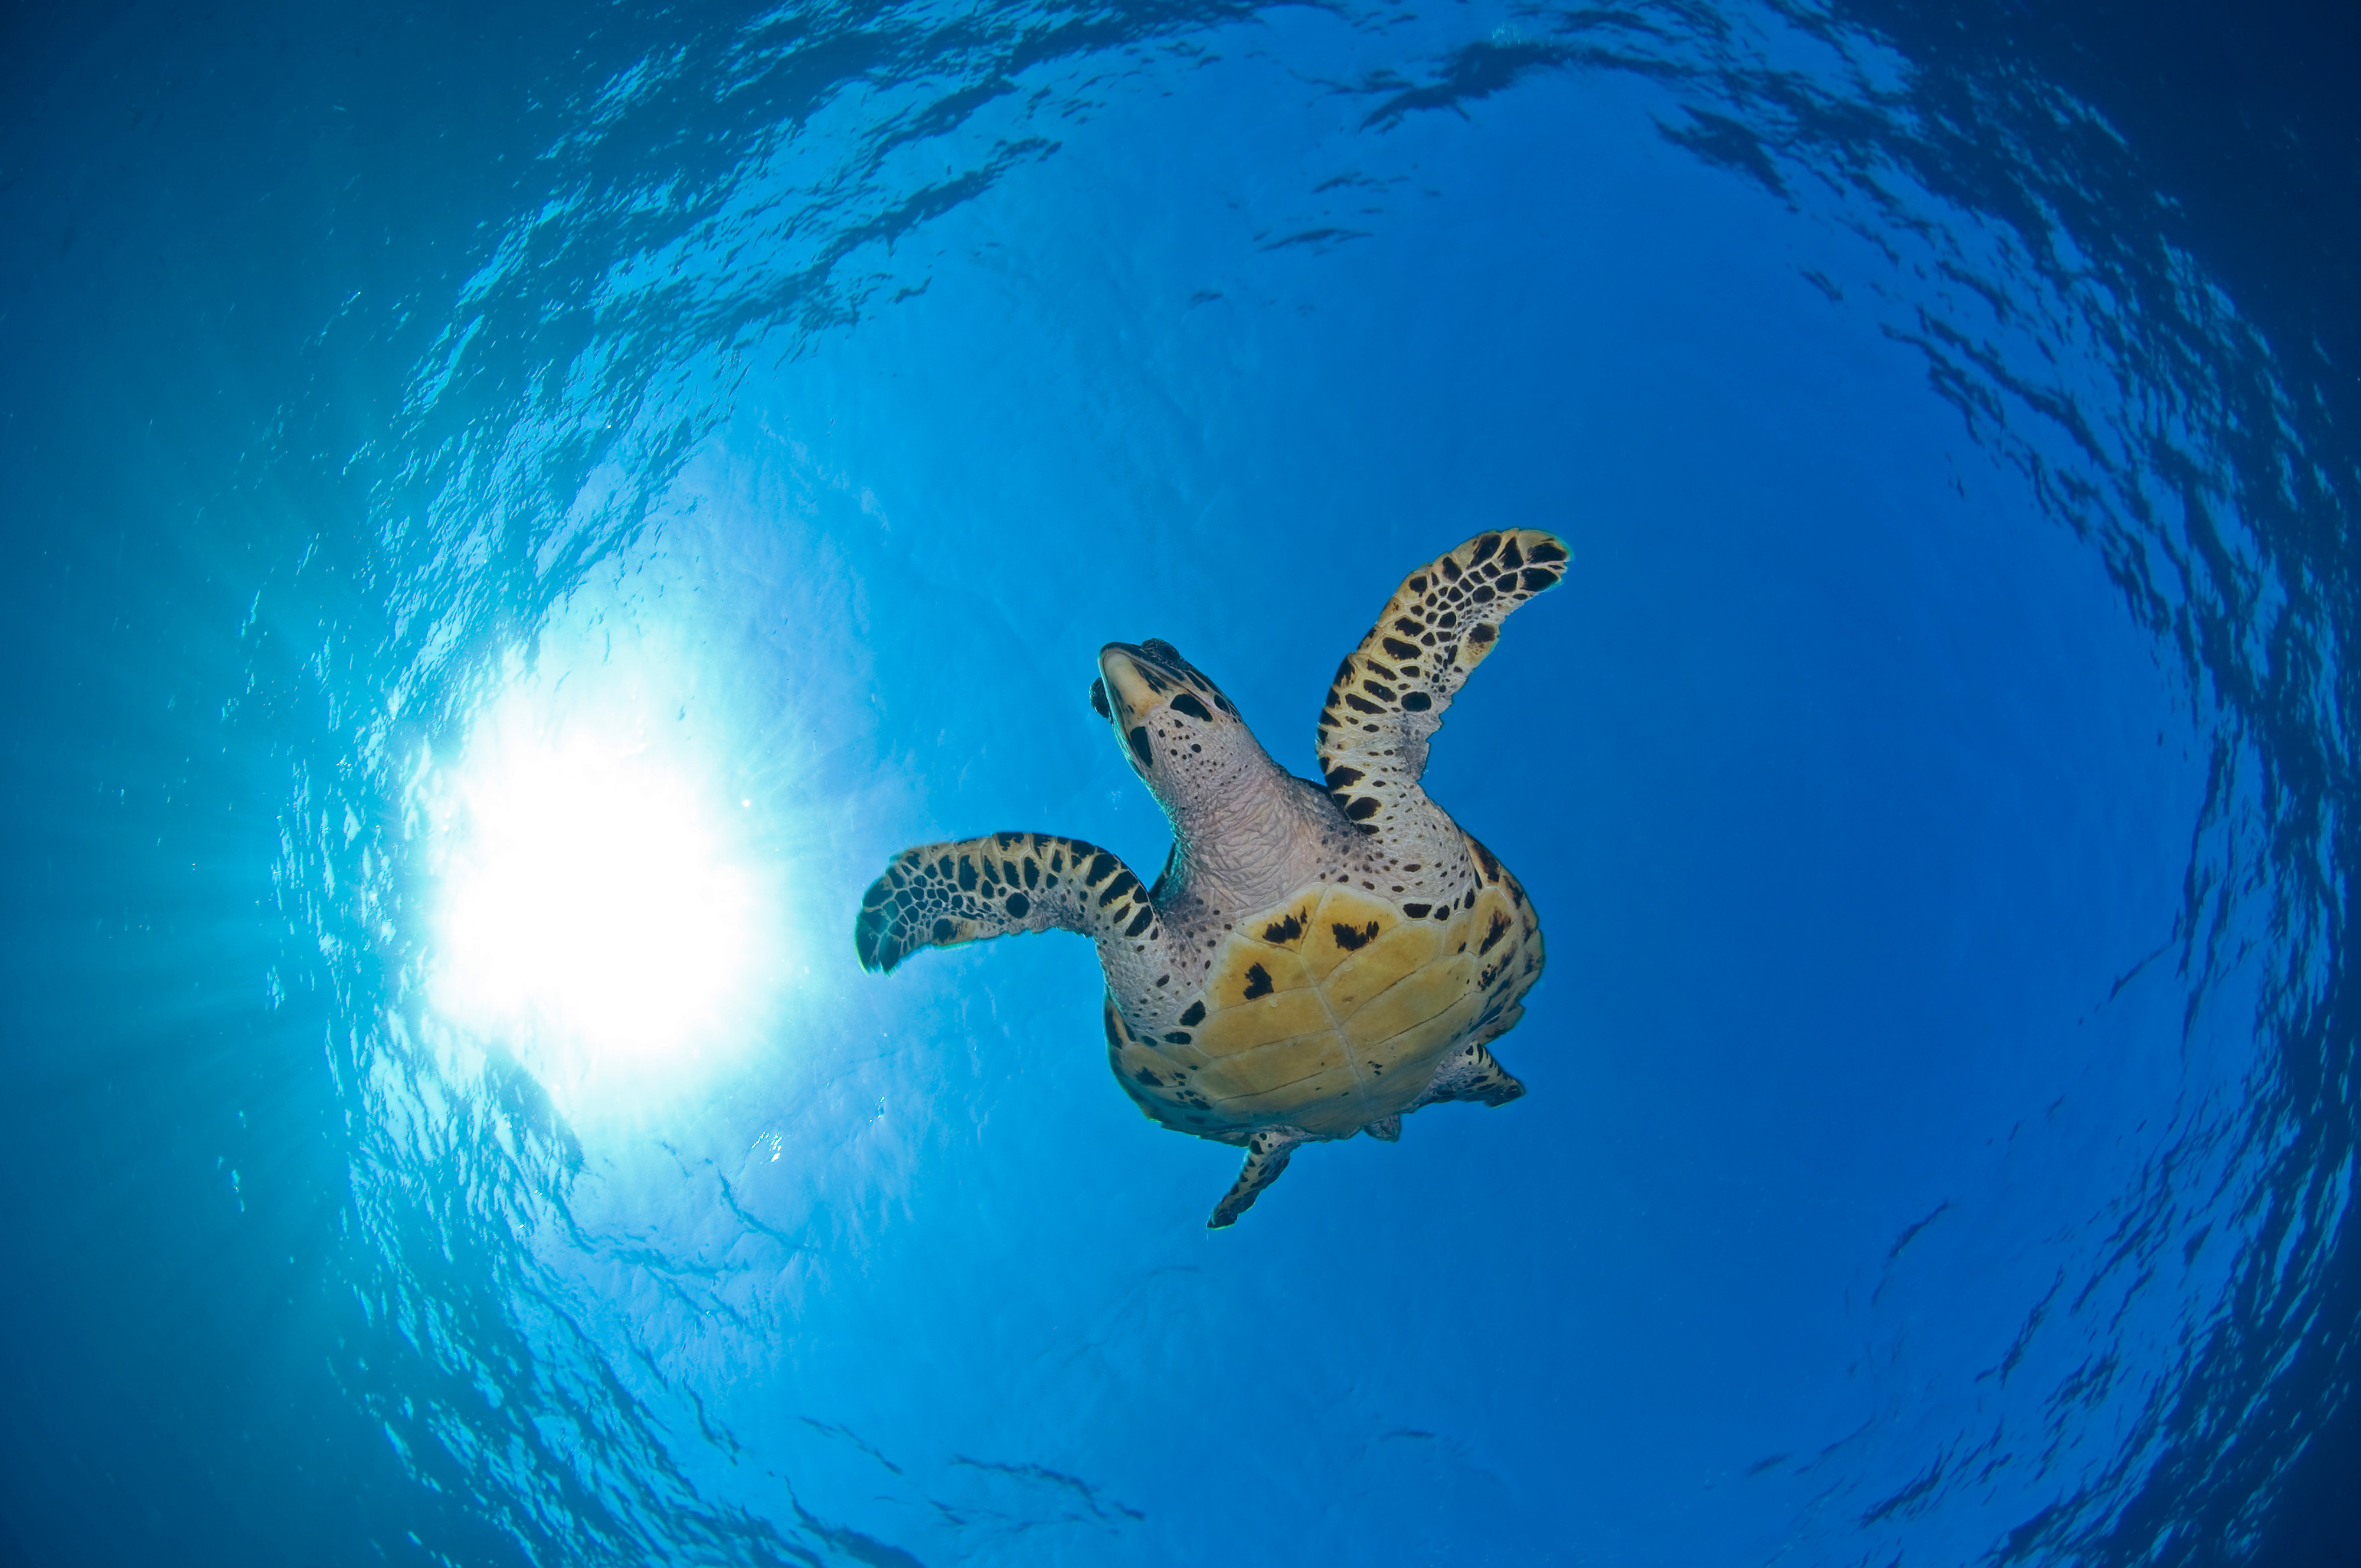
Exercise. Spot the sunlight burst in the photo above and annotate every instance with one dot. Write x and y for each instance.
(587, 894)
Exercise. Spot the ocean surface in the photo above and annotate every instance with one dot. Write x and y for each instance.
(512, 513)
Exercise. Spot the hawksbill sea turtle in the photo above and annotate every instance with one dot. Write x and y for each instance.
(1315, 961)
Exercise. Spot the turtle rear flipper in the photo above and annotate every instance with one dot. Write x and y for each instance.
(1391, 692)
(940, 896)
(1268, 1153)
(1470, 1073)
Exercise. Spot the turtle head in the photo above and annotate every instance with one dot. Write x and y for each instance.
(1184, 739)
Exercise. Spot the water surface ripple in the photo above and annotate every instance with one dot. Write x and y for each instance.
(590, 369)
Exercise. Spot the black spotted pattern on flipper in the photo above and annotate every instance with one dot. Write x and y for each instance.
(1268, 1153)
(940, 896)
(1391, 692)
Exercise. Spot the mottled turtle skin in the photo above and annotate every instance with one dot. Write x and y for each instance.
(1315, 961)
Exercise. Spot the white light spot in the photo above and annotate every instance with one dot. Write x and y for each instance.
(586, 896)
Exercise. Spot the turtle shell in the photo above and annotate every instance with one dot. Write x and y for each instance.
(1332, 1011)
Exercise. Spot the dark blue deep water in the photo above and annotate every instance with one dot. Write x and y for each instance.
(512, 513)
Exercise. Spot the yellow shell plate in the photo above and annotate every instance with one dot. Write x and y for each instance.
(1331, 1011)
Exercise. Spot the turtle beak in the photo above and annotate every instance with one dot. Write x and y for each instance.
(1133, 684)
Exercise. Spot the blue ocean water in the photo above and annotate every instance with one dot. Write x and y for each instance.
(514, 514)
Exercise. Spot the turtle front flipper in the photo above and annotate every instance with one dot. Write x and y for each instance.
(1391, 692)
(938, 895)
(1268, 1153)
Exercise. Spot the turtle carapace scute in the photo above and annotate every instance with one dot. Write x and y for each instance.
(1315, 961)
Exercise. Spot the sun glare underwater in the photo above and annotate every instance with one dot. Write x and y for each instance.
(588, 895)
(518, 513)
(600, 907)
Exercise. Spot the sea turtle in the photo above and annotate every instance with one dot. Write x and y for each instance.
(1315, 961)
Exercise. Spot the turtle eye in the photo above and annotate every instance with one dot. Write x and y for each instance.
(1098, 699)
